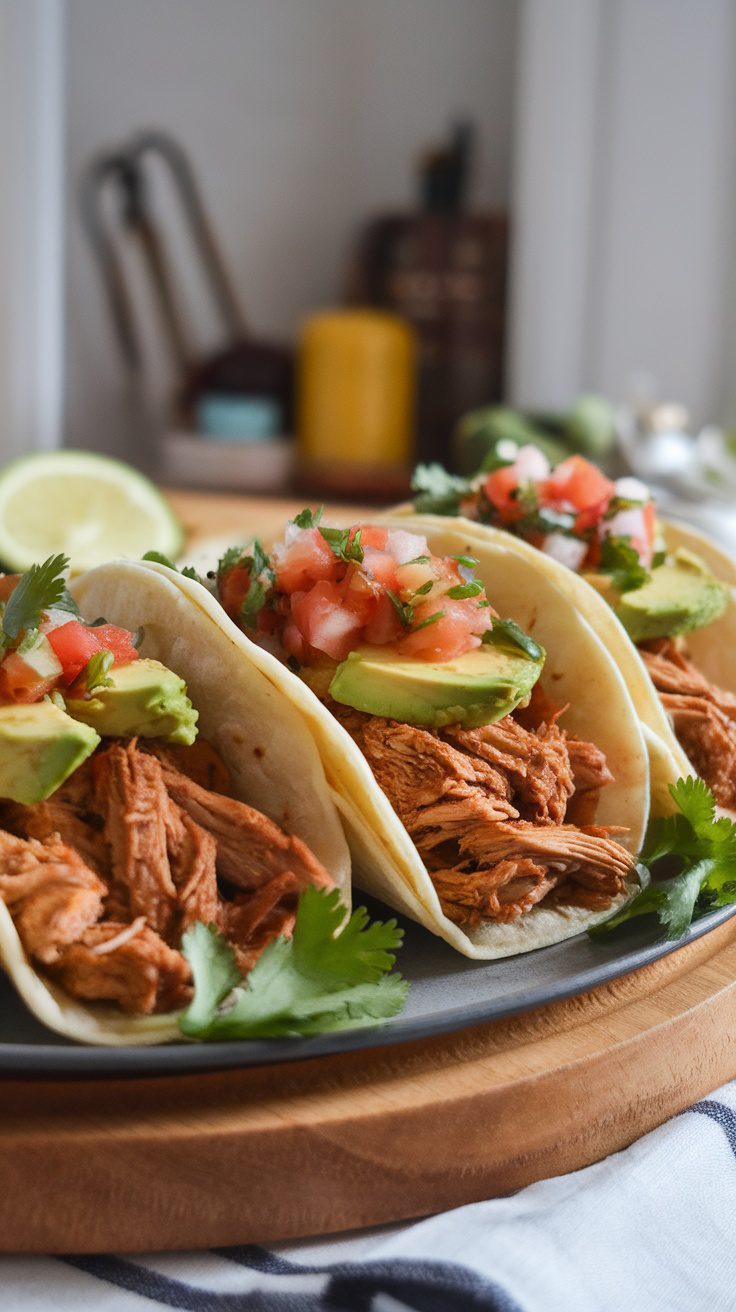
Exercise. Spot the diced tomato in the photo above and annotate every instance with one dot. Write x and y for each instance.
(306, 560)
(447, 638)
(20, 682)
(500, 487)
(384, 625)
(372, 535)
(118, 641)
(232, 588)
(381, 566)
(579, 484)
(646, 550)
(293, 642)
(324, 621)
(359, 593)
(74, 644)
(7, 584)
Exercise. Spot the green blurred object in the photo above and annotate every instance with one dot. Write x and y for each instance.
(587, 427)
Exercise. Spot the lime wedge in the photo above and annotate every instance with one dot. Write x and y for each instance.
(89, 506)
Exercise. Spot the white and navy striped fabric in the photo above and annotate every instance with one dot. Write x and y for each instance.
(650, 1229)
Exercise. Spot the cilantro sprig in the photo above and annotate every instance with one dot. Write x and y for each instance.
(318, 981)
(158, 557)
(39, 589)
(96, 671)
(621, 560)
(436, 491)
(703, 847)
(507, 633)
(345, 548)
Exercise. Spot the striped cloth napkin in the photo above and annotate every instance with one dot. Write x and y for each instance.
(649, 1229)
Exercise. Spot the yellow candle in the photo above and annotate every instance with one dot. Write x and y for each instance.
(356, 385)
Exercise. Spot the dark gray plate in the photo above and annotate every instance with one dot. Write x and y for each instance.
(447, 993)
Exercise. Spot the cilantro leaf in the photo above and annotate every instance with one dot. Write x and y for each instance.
(158, 558)
(97, 669)
(507, 633)
(705, 849)
(338, 539)
(308, 518)
(254, 600)
(438, 492)
(318, 981)
(621, 560)
(431, 619)
(38, 590)
(404, 609)
(214, 970)
(232, 556)
(463, 590)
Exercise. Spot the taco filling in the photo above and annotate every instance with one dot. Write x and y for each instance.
(608, 532)
(440, 694)
(117, 829)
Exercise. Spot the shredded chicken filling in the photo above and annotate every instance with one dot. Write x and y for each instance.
(501, 815)
(703, 716)
(103, 878)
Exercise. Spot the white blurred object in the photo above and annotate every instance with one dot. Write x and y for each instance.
(655, 442)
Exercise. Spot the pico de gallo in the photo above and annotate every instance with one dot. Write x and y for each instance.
(323, 592)
(572, 512)
(45, 646)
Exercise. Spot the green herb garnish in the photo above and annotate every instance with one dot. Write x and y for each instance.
(469, 562)
(338, 539)
(40, 589)
(318, 981)
(431, 619)
(308, 518)
(438, 492)
(621, 560)
(97, 669)
(404, 609)
(506, 633)
(188, 572)
(464, 590)
(705, 850)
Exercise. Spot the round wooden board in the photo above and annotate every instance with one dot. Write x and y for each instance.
(367, 1137)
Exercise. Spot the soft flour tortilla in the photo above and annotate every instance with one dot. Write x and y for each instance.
(578, 670)
(711, 648)
(266, 746)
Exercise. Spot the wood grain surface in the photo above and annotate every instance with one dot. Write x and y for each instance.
(342, 1142)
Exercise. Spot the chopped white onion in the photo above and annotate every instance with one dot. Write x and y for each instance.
(625, 524)
(531, 464)
(632, 489)
(568, 551)
(54, 619)
(405, 546)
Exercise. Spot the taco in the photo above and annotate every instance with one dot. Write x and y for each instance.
(143, 791)
(479, 742)
(663, 584)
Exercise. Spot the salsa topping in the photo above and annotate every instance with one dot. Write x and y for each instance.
(573, 512)
(326, 591)
(45, 645)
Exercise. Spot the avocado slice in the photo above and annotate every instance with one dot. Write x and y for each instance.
(477, 688)
(40, 746)
(144, 699)
(679, 596)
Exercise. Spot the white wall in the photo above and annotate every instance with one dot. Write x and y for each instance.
(631, 269)
(31, 219)
(302, 117)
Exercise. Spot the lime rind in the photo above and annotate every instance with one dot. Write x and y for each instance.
(159, 529)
